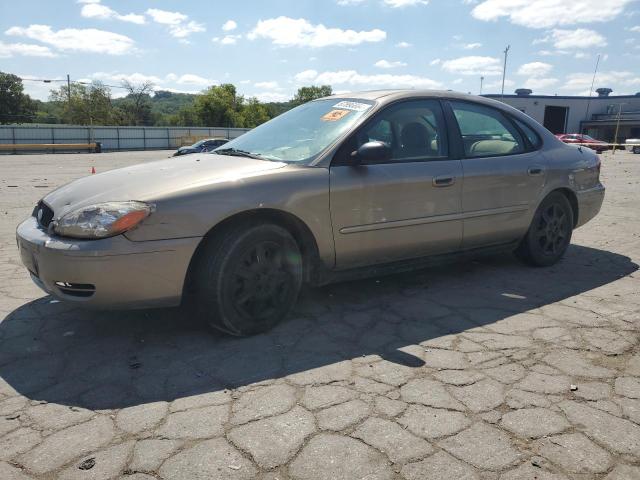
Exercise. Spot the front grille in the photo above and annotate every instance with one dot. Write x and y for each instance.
(44, 214)
(76, 289)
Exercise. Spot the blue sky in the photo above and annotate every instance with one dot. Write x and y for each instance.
(270, 48)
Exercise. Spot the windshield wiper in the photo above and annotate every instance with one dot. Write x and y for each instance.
(238, 153)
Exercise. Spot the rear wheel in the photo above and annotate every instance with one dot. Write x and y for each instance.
(549, 234)
(248, 279)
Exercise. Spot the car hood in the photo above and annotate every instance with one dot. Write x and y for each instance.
(152, 180)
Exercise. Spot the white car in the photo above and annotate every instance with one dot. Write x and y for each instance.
(634, 143)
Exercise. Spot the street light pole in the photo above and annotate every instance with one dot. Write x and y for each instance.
(504, 69)
(481, 81)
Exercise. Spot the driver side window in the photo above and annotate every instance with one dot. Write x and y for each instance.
(413, 130)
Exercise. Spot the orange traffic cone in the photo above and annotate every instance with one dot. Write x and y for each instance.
(93, 170)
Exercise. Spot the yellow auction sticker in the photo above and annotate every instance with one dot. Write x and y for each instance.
(334, 115)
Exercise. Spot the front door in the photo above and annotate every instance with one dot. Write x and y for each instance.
(404, 208)
(504, 174)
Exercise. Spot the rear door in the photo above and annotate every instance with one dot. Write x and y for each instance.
(504, 174)
(406, 207)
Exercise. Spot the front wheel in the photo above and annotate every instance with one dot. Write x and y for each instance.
(549, 234)
(248, 278)
(636, 149)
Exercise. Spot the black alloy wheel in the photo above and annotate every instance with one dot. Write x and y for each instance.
(549, 234)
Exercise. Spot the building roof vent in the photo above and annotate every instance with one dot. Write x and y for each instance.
(603, 92)
(524, 92)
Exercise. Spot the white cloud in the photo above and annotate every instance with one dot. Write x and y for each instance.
(165, 17)
(549, 13)
(266, 85)
(290, 32)
(183, 30)
(353, 78)
(535, 69)
(403, 45)
(178, 23)
(614, 79)
(160, 83)
(192, 79)
(389, 3)
(435, 61)
(471, 46)
(79, 40)
(539, 83)
(227, 39)
(579, 38)
(457, 81)
(8, 50)
(272, 96)
(388, 64)
(404, 3)
(473, 65)
(229, 25)
(635, 29)
(96, 10)
(134, 78)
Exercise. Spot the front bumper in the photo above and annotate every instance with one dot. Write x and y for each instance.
(589, 203)
(107, 273)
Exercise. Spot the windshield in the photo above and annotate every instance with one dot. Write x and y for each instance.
(587, 137)
(199, 143)
(299, 135)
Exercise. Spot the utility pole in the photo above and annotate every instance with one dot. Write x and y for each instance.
(615, 138)
(504, 69)
(481, 81)
(593, 80)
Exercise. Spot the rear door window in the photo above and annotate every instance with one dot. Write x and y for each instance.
(485, 131)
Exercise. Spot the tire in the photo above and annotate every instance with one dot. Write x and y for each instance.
(636, 149)
(549, 234)
(248, 278)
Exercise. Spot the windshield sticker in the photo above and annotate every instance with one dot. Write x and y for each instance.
(335, 115)
(358, 107)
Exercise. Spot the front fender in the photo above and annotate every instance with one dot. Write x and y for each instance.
(300, 191)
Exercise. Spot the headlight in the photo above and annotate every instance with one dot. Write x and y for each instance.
(103, 219)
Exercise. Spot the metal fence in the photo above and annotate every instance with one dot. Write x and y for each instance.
(113, 138)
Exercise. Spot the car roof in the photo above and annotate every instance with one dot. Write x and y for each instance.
(391, 95)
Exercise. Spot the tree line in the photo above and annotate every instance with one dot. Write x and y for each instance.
(93, 104)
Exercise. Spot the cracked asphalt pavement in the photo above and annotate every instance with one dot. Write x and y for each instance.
(484, 370)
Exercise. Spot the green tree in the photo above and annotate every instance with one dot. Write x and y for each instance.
(219, 106)
(254, 113)
(306, 94)
(15, 106)
(84, 104)
(136, 107)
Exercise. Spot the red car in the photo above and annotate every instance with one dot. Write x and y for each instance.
(580, 139)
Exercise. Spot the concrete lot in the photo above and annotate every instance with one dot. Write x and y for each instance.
(479, 370)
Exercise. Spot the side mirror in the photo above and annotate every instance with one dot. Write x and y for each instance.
(371, 152)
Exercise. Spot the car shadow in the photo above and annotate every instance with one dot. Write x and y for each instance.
(54, 352)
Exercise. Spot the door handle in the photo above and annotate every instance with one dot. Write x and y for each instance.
(443, 181)
(535, 170)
